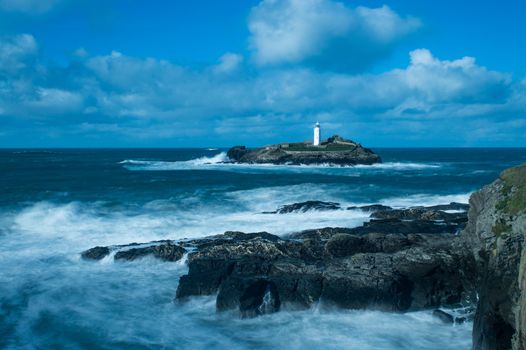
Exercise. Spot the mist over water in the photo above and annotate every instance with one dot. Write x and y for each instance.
(56, 203)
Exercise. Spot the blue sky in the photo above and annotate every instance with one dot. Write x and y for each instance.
(196, 73)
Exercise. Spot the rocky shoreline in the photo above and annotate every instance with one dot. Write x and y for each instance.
(441, 257)
(335, 150)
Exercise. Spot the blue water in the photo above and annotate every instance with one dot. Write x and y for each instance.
(56, 203)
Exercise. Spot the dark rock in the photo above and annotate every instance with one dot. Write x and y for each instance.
(342, 244)
(450, 206)
(306, 206)
(444, 316)
(254, 297)
(404, 227)
(237, 152)
(96, 253)
(335, 150)
(165, 251)
(320, 233)
(420, 213)
(370, 208)
(383, 271)
(495, 237)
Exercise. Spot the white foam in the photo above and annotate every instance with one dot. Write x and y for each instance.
(221, 162)
(400, 166)
(178, 165)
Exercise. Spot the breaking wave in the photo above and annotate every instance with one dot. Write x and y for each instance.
(222, 163)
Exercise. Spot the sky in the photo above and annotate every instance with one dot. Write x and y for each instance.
(137, 73)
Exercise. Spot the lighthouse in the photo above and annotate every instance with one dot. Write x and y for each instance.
(316, 141)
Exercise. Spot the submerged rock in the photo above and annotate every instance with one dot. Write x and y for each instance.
(420, 213)
(96, 253)
(305, 206)
(164, 250)
(335, 150)
(370, 208)
(444, 316)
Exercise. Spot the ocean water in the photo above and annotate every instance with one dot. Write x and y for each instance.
(56, 203)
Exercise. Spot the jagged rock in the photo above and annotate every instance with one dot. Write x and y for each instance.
(305, 206)
(420, 213)
(404, 227)
(343, 244)
(370, 208)
(165, 251)
(450, 206)
(96, 253)
(335, 150)
(383, 271)
(237, 152)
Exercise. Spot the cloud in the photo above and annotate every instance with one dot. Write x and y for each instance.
(28, 6)
(126, 97)
(17, 53)
(228, 63)
(457, 80)
(324, 33)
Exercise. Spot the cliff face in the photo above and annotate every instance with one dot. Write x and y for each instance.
(334, 150)
(495, 235)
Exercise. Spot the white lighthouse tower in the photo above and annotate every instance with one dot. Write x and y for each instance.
(316, 141)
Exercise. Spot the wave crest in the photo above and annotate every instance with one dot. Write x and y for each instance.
(191, 164)
(221, 161)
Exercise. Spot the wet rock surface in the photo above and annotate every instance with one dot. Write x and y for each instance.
(96, 253)
(370, 208)
(451, 213)
(163, 250)
(394, 272)
(303, 207)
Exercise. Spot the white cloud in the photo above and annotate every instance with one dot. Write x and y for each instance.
(456, 80)
(324, 33)
(56, 101)
(151, 95)
(17, 52)
(229, 62)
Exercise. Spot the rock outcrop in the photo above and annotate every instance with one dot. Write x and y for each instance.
(305, 206)
(259, 273)
(334, 150)
(164, 250)
(495, 235)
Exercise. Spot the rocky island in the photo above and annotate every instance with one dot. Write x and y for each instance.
(335, 150)
(465, 262)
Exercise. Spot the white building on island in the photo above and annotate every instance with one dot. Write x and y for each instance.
(316, 141)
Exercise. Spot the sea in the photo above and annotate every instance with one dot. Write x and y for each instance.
(55, 203)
